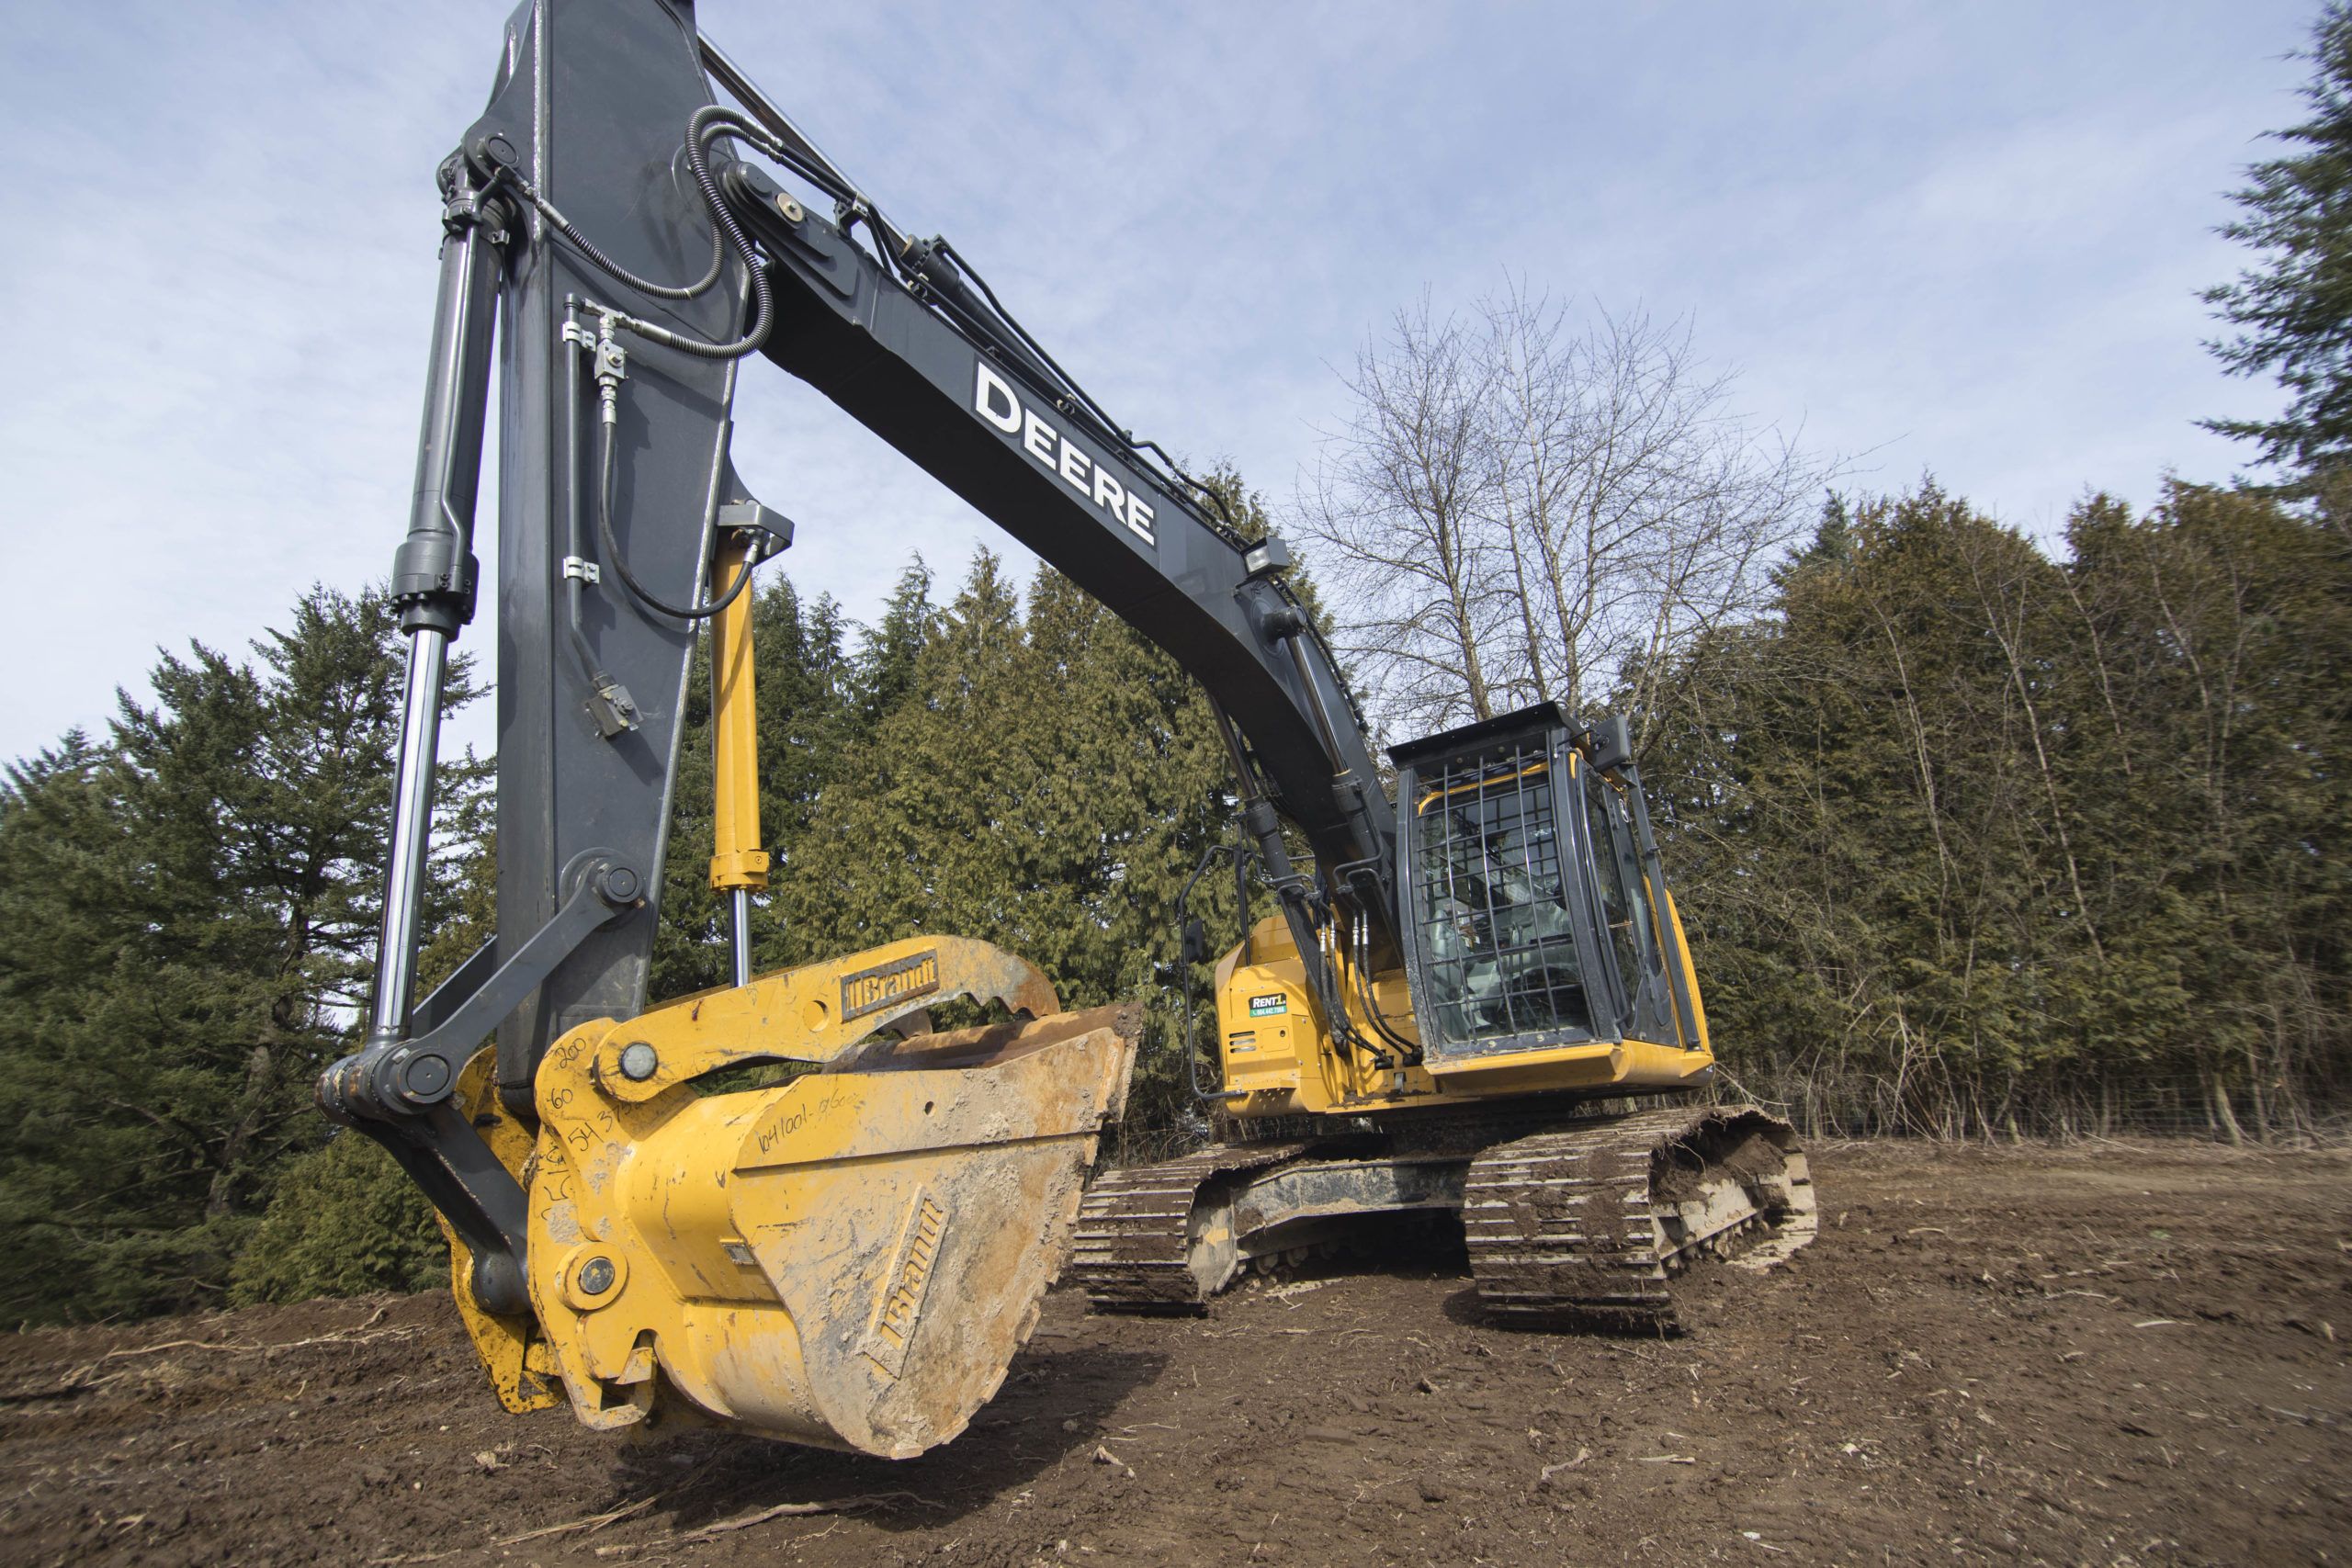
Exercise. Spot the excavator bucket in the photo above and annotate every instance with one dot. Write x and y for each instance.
(848, 1258)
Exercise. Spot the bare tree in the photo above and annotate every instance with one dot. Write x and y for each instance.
(1398, 502)
(1523, 508)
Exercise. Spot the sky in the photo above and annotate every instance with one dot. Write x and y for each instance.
(1957, 239)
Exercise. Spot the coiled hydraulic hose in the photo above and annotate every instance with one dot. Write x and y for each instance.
(709, 122)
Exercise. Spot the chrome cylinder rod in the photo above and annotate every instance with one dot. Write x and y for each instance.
(742, 924)
(405, 873)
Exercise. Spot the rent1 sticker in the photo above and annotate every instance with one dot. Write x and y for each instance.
(1268, 1006)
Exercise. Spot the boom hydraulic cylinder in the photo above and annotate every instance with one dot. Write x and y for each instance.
(434, 572)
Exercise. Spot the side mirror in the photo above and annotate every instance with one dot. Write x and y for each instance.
(1195, 945)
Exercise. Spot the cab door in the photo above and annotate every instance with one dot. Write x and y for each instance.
(1624, 902)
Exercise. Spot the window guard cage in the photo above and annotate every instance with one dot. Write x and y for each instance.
(1496, 894)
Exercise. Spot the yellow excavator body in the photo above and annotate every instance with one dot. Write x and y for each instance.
(1279, 1059)
(789, 1205)
(1516, 1067)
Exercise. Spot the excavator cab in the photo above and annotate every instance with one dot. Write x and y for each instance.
(1533, 911)
(1489, 1072)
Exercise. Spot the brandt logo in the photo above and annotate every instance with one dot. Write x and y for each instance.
(870, 990)
(905, 1287)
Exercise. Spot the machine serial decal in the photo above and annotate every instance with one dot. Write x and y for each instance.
(1269, 1006)
(997, 403)
(869, 990)
(905, 1286)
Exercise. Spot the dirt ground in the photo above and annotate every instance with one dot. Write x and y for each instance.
(2101, 1354)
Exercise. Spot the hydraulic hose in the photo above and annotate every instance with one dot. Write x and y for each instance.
(588, 247)
(621, 567)
(710, 121)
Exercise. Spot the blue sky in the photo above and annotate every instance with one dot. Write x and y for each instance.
(1956, 239)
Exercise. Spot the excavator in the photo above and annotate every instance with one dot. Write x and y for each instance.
(791, 1205)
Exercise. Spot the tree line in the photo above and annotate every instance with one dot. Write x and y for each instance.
(1971, 840)
(1976, 839)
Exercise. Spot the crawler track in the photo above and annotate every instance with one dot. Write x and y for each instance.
(1141, 1246)
(1587, 1224)
(1584, 1222)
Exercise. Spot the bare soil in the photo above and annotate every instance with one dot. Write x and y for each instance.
(2099, 1354)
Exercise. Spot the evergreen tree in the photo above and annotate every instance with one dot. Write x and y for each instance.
(906, 838)
(2292, 310)
(1832, 544)
(347, 1221)
(1965, 834)
(190, 908)
(343, 1218)
(883, 675)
